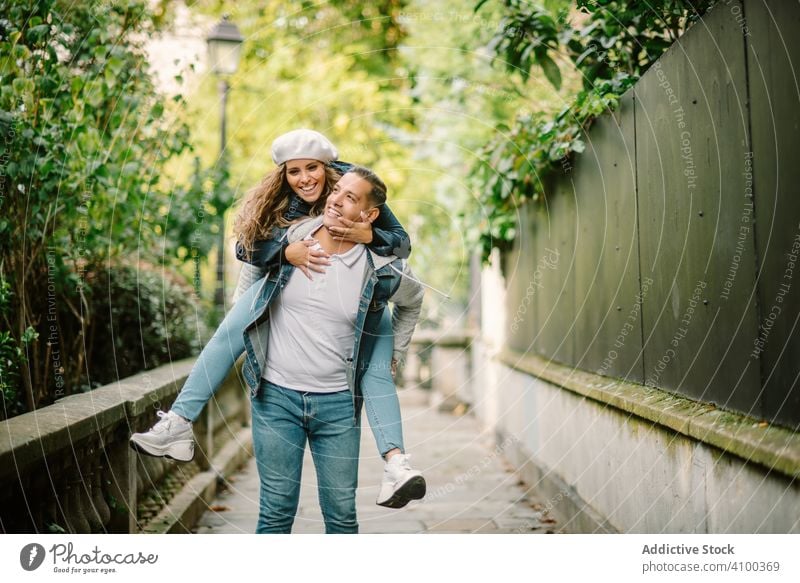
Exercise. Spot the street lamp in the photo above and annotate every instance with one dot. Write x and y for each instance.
(224, 45)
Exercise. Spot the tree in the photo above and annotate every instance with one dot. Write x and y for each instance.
(84, 139)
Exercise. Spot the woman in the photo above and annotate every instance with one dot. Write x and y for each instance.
(298, 187)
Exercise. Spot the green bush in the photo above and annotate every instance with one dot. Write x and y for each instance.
(85, 137)
(140, 317)
(12, 356)
(146, 317)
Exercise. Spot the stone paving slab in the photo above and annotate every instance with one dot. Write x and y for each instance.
(471, 487)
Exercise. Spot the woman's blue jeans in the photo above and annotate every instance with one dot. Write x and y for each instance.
(227, 344)
(283, 421)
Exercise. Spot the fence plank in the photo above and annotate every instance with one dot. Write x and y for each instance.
(556, 229)
(773, 58)
(692, 142)
(608, 331)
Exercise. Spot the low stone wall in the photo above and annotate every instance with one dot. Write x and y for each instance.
(68, 467)
(616, 456)
(442, 363)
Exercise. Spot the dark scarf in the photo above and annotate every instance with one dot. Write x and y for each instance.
(297, 208)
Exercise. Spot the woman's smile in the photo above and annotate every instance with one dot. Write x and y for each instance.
(306, 178)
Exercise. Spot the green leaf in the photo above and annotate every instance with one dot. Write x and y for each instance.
(479, 4)
(115, 64)
(551, 71)
(37, 33)
(21, 52)
(76, 84)
(29, 335)
(22, 87)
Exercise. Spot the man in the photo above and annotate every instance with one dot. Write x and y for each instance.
(307, 353)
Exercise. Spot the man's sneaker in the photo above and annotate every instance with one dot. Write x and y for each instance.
(400, 483)
(171, 437)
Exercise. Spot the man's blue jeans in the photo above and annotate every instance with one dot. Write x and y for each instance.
(227, 344)
(283, 420)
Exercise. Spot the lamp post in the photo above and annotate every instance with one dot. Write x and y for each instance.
(224, 45)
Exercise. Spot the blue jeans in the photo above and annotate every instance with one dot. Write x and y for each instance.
(283, 420)
(227, 344)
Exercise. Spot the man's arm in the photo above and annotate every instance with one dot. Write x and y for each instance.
(407, 307)
(247, 277)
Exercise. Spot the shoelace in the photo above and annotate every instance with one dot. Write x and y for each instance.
(404, 461)
(163, 423)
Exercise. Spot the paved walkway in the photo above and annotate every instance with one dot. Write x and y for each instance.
(471, 488)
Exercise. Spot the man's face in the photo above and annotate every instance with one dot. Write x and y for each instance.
(349, 197)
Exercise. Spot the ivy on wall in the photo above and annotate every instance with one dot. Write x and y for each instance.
(611, 44)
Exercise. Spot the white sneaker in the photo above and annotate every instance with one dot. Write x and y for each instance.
(400, 484)
(171, 437)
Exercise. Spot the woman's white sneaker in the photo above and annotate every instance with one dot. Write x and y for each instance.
(401, 484)
(171, 437)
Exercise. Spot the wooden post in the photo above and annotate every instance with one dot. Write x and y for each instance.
(120, 481)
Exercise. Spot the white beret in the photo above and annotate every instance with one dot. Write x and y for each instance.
(303, 143)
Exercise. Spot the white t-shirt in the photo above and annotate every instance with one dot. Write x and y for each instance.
(312, 326)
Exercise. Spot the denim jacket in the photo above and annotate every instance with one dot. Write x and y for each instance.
(385, 278)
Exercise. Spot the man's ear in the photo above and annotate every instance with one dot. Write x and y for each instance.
(371, 214)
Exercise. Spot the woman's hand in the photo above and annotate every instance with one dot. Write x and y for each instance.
(352, 231)
(301, 255)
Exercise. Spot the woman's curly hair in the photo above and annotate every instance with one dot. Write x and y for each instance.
(263, 207)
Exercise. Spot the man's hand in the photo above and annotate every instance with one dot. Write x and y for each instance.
(301, 255)
(354, 232)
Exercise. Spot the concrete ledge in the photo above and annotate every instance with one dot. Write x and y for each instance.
(184, 510)
(443, 339)
(774, 447)
(562, 500)
(74, 460)
(37, 435)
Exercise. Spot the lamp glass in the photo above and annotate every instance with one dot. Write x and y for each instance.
(224, 56)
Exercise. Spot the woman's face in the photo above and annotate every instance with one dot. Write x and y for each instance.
(306, 178)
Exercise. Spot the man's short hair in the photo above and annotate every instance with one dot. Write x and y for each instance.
(377, 196)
